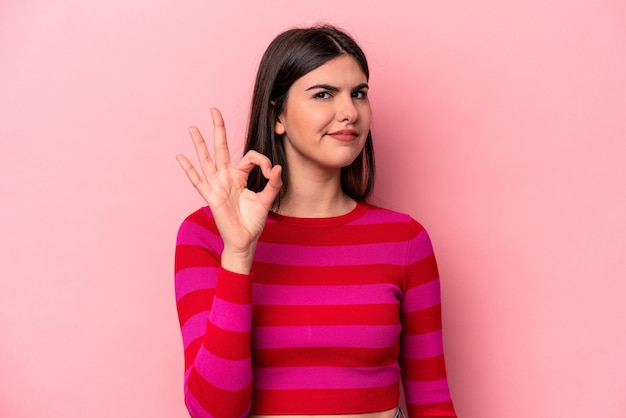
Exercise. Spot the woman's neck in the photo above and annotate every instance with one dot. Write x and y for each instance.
(316, 207)
(315, 198)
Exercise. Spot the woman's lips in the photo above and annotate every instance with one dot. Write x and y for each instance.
(344, 134)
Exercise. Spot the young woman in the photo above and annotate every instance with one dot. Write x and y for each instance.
(295, 296)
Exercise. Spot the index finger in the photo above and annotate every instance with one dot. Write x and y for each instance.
(222, 155)
(206, 164)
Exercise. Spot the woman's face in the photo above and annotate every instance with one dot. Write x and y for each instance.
(327, 116)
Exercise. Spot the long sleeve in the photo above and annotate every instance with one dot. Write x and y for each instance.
(215, 315)
(421, 357)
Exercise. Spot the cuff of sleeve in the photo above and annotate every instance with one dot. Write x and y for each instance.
(234, 287)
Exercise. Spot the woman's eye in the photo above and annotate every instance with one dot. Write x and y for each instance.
(359, 94)
(323, 95)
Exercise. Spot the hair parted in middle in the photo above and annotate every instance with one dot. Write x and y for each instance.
(291, 55)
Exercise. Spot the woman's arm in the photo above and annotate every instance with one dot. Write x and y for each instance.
(214, 254)
(214, 310)
(421, 358)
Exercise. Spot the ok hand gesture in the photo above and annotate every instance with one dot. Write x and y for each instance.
(239, 213)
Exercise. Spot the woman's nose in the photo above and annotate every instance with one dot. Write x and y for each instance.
(347, 111)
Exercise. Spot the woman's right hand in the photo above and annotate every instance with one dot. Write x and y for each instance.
(239, 213)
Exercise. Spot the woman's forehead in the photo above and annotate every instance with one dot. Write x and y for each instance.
(339, 72)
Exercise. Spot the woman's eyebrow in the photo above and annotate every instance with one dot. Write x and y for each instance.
(333, 88)
(324, 87)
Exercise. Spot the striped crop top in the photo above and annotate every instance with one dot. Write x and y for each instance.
(336, 312)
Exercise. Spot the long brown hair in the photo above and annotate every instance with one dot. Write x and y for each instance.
(289, 56)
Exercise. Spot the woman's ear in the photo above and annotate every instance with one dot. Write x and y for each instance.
(279, 128)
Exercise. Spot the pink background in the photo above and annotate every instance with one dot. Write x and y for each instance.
(501, 126)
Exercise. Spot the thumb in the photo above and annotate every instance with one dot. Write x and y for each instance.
(272, 188)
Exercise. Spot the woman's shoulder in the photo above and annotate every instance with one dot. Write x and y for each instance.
(201, 215)
(382, 214)
(199, 223)
(396, 220)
